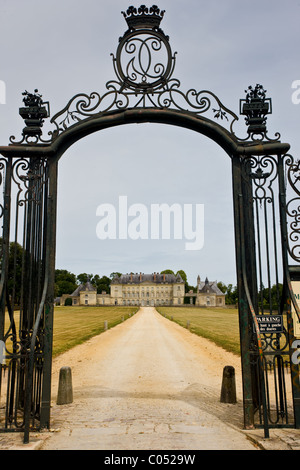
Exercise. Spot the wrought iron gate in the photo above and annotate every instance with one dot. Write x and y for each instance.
(266, 225)
(271, 379)
(27, 256)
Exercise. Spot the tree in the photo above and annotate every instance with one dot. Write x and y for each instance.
(270, 297)
(112, 275)
(14, 282)
(222, 286)
(15, 263)
(231, 295)
(84, 277)
(101, 283)
(65, 282)
(167, 271)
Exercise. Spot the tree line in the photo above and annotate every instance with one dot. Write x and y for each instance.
(67, 282)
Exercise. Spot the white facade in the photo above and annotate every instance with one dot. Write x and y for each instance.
(208, 294)
(132, 289)
(147, 289)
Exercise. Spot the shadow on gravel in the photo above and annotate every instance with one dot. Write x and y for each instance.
(202, 397)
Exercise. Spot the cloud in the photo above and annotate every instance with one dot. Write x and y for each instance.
(63, 48)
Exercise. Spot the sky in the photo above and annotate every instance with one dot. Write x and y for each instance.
(64, 47)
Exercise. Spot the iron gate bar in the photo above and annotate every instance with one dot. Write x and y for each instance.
(27, 407)
(288, 286)
(49, 310)
(5, 238)
(251, 308)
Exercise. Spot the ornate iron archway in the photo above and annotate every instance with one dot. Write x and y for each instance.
(266, 224)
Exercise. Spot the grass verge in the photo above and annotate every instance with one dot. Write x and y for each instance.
(220, 325)
(74, 325)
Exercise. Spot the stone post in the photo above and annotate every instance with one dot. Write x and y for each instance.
(65, 389)
(228, 391)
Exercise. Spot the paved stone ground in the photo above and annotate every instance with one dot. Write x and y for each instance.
(148, 384)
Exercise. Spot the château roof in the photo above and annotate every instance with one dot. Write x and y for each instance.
(209, 287)
(86, 287)
(141, 277)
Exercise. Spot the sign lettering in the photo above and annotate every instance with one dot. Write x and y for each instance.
(270, 323)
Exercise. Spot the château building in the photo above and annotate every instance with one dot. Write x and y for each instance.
(209, 294)
(86, 294)
(147, 290)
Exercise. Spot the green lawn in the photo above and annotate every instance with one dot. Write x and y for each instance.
(74, 325)
(220, 325)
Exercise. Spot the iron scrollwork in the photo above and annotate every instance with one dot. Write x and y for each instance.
(34, 114)
(23, 292)
(256, 106)
(144, 66)
(143, 42)
(293, 207)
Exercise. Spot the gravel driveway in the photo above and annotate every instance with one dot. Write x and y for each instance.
(147, 384)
